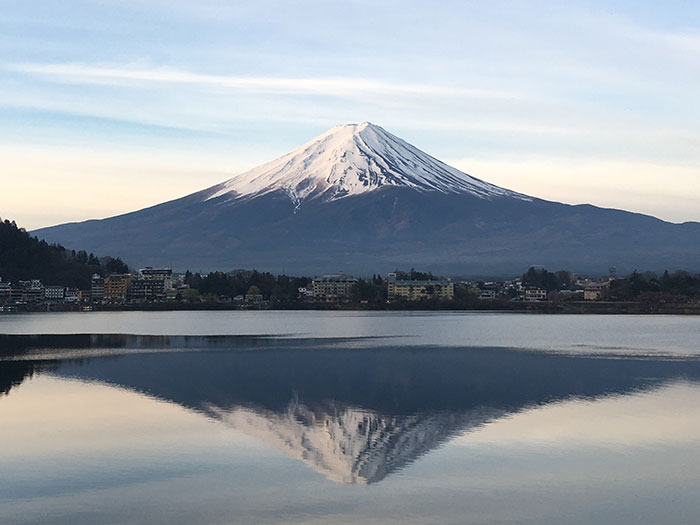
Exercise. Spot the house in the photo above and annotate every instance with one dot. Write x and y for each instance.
(570, 295)
(595, 291)
(487, 294)
(305, 293)
(254, 298)
(535, 294)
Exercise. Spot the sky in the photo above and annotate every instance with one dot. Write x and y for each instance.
(111, 106)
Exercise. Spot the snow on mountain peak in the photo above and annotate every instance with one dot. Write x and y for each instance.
(350, 160)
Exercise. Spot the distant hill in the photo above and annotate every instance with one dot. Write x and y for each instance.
(360, 199)
(23, 257)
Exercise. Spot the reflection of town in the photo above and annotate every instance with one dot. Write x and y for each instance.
(355, 415)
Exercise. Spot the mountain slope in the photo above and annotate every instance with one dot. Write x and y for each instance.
(353, 160)
(361, 199)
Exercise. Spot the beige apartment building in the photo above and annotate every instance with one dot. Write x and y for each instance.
(116, 287)
(416, 290)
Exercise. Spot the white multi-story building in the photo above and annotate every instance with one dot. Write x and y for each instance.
(337, 286)
(158, 274)
(54, 293)
(97, 288)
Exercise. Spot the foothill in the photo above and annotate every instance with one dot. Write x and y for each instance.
(37, 276)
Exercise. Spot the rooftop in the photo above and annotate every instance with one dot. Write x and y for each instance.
(336, 277)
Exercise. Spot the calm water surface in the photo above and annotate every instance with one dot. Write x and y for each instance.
(325, 417)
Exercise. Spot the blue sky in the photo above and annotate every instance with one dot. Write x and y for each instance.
(110, 106)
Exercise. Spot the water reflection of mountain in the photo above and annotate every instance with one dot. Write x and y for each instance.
(349, 444)
(13, 373)
(358, 414)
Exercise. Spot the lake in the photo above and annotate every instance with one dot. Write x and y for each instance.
(348, 417)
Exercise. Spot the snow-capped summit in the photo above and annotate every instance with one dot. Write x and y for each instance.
(351, 160)
(359, 198)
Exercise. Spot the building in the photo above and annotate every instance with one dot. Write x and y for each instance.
(72, 295)
(333, 287)
(415, 290)
(158, 274)
(16, 293)
(595, 291)
(116, 287)
(147, 290)
(516, 285)
(54, 293)
(31, 291)
(487, 294)
(97, 288)
(571, 295)
(5, 291)
(535, 294)
(305, 292)
(254, 298)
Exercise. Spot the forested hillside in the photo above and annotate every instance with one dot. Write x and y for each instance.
(24, 257)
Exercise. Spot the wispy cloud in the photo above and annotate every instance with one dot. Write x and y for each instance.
(329, 86)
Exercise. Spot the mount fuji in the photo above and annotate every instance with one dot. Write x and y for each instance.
(361, 199)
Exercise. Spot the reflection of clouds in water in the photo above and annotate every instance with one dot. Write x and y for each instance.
(676, 334)
(668, 415)
(50, 416)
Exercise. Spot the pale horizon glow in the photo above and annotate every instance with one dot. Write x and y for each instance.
(614, 421)
(111, 107)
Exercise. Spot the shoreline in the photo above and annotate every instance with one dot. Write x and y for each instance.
(542, 307)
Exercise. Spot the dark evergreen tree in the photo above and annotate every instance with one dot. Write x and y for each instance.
(24, 257)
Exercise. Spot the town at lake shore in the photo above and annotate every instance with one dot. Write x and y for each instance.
(535, 290)
(38, 276)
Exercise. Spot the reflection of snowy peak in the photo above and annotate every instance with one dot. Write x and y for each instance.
(350, 160)
(350, 445)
